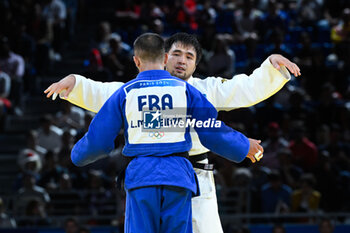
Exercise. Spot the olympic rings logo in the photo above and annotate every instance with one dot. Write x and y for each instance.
(156, 135)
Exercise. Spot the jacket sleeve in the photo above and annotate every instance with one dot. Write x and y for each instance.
(104, 128)
(243, 90)
(217, 137)
(90, 94)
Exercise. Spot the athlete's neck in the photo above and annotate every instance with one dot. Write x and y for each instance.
(186, 79)
(151, 66)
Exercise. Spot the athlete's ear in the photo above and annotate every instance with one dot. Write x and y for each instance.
(137, 61)
(165, 58)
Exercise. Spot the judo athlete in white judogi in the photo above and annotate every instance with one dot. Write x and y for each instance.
(159, 180)
(225, 94)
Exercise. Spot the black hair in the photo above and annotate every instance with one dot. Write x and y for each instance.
(149, 47)
(187, 40)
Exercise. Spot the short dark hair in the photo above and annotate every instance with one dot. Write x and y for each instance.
(149, 47)
(185, 39)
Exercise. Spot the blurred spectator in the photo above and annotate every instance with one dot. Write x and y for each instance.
(44, 56)
(182, 15)
(69, 117)
(5, 84)
(113, 61)
(343, 183)
(49, 136)
(275, 196)
(326, 176)
(326, 226)
(269, 111)
(5, 220)
(12, 64)
(98, 196)
(225, 17)
(273, 20)
(298, 108)
(272, 145)
(119, 58)
(259, 179)
(276, 44)
(221, 60)
(242, 178)
(66, 200)
(247, 20)
(206, 14)
(127, 14)
(87, 120)
(72, 10)
(71, 225)
(51, 173)
(337, 144)
(290, 173)
(311, 61)
(96, 69)
(6, 17)
(340, 35)
(29, 161)
(304, 151)
(103, 34)
(157, 26)
(309, 12)
(66, 145)
(341, 32)
(150, 11)
(29, 192)
(5, 103)
(323, 137)
(206, 40)
(329, 106)
(306, 199)
(65, 183)
(35, 215)
(32, 143)
(55, 12)
(24, 44)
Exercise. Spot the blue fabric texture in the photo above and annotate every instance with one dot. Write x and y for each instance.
(145, 206)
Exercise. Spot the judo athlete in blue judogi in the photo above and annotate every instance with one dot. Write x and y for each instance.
(159, 180)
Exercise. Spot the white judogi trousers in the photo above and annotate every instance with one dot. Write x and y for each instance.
(205, 215)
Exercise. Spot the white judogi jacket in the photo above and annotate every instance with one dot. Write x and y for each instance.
(225, 94)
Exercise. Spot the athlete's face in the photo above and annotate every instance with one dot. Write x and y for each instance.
(181, 61)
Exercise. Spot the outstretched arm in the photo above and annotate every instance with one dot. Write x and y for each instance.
(83, 92)
(247, 90)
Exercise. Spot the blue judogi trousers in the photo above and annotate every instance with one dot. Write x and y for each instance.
(158, 209)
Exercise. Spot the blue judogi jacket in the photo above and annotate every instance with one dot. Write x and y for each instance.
(138, 107)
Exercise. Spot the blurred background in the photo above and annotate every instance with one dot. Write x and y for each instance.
(301, 185)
